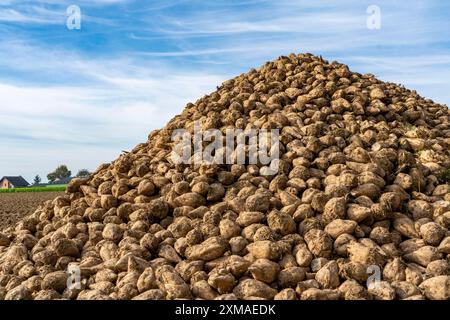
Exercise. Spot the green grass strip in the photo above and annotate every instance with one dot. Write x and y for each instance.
(35, 189)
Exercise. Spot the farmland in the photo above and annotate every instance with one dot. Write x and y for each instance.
(16, 205)
(52, 188)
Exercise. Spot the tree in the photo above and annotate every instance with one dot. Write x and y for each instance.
(51, 177)
(82, 173)
(37, 179)
(60, 173)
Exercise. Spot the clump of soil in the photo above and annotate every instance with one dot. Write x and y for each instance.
(15, 206)
(358, 194)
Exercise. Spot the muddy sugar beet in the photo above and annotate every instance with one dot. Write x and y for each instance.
(359, 207)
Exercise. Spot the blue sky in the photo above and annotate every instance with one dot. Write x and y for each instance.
(80, 97)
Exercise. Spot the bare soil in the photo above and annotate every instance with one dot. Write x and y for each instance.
(14, 206)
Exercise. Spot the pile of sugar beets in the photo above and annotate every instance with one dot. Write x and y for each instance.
(359, 208)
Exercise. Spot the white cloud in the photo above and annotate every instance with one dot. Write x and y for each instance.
(46, 125)
(294, 22)
(53, 12)
(11, 15)
(245, 36)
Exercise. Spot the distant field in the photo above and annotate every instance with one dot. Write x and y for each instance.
(15, 205)
(53, 188)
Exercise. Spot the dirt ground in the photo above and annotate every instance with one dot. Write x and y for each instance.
(14, 206)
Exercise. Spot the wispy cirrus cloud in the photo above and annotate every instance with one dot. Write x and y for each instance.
(11, 15)
(62, 104)
(113, 113)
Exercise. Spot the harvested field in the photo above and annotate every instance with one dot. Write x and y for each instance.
(14, 206)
